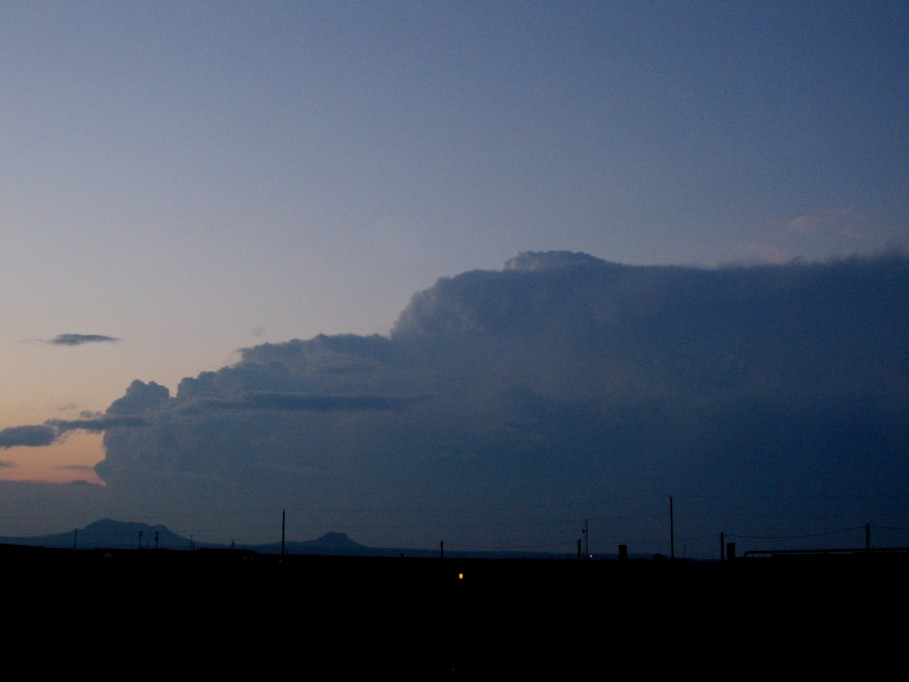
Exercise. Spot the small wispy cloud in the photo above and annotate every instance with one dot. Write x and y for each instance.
(843, 222)
(79, 339)
(28, 436)
(833, 232)
(96, 425)
(54, 430)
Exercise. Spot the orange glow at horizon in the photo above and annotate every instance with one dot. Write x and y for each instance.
(70, 460)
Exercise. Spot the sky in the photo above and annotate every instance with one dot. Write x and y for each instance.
(251, 253)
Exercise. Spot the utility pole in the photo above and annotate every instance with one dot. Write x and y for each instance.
(671, 531)
(75, 536)
(586, 533)
(283, 519)
(140, 539)
(156, 539)
(441, 549)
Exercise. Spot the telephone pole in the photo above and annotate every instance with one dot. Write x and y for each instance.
(671, 531)
(586, 534)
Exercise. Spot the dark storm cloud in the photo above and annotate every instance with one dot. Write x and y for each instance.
(27, 436)
(563, 388)
(140, 396)
(262, 400)
(79, 339)
(96, 424)
(42, 435)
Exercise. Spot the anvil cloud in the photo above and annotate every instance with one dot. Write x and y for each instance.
(507, 406)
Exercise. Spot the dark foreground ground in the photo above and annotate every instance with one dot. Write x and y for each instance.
(234, 614)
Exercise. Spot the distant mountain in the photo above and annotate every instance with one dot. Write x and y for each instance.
(110, 534)
(330, 543)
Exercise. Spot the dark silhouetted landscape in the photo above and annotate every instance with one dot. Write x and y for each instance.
(230, 609)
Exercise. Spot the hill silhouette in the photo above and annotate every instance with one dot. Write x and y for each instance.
(107, 533)
(123, 535)
(112, 534)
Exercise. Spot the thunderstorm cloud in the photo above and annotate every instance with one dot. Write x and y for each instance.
(516, 402)
(507, 407)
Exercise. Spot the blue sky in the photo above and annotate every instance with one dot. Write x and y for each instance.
(190, 179)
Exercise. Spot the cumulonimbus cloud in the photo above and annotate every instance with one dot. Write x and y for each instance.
(562, 387)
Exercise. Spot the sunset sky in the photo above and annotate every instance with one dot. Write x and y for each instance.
(185, 180)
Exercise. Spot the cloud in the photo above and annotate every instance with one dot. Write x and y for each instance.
(264, 400)
(27, 436)
(842, 232)
(507, 407)
(140, 397)
(42, 435)
(97, 424)
(843, 222)
(80, 339)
